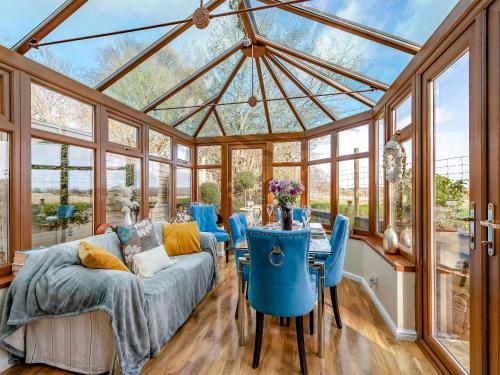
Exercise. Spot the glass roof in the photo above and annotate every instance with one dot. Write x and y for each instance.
(92, 61)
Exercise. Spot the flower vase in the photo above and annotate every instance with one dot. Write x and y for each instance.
(127, 220)
(390, 241)
(286, 216)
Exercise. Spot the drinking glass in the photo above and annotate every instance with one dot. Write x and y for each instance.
(306, 216)
(257, 212)
(269, 209)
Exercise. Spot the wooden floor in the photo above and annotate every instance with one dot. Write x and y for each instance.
(208, 342)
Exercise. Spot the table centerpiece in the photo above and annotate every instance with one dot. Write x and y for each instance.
(285, 193)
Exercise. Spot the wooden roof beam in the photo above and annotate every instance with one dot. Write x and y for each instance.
(219, 122)
(60, 15)
(283, 92)
(274, 46)
(220, 95)
(329, 81)
(302, 87)
(192, 113)
(193, 77)
(264, 96)
(350, 27)
(151, 50)
(248, 20)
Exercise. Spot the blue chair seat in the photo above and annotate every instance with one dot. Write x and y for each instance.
(205, 217)
(221, 236)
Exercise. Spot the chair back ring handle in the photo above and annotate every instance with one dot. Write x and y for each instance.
(276, 250)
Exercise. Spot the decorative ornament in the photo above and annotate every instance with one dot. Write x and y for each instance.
(252, 101)
(390, 241)
(394, 160)
(201, 17)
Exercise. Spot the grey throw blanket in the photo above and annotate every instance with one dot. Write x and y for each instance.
(53, 283)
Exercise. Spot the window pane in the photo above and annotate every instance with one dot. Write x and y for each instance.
(4, 197)
(123, 134)
(209, 155)
(320, 148)
(286, 152)
(355, 140)
(160, 145)
(123, 189)
(183, 189)
(62, 192)
(353, 191)
(183, 153)
(287, 173)
(246, 168)
(159, 191)
(401, 202)
(402, 114)
(319, 192)
(450, 186)
(209, 186)
(380, 181)
(61, 114)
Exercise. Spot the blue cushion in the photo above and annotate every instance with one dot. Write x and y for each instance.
(221, 236)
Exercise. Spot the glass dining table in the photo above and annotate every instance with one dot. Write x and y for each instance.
(319, 245)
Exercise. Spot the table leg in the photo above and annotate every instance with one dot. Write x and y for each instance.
(321, 310)
(241, 307)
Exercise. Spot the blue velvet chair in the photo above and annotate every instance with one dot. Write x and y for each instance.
(238, 226)
(297, 214)
(279, 282)
(334, 263)
(205, 217)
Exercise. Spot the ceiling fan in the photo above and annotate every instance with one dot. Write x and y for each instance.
(200, 18)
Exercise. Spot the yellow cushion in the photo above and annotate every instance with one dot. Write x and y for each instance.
(93, 256)
(181, 238)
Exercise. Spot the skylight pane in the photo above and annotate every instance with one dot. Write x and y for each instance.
(412, 20)
(90, 61)
(190, 125)
(345, 49)
(18, 18)
(210, 129)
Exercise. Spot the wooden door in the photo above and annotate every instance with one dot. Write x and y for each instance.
(455, 198)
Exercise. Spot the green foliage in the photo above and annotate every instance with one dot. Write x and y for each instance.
(40, 212)
(210, 193)
(448, 190)
(244, 181)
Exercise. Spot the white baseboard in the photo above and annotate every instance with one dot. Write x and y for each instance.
(398, 333)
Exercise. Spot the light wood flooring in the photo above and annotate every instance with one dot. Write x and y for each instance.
(208, 341)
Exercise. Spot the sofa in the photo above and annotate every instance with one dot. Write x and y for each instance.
(85, 342)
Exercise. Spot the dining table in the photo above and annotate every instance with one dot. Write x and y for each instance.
(319, 244)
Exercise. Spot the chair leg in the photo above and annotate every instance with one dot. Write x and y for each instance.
(287, 322)
(299, 323)
(335, 304)
(258, 339)
(245, 285)
(311, 322)
(226, 251)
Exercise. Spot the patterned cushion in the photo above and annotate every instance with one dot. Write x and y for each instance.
(136, 239)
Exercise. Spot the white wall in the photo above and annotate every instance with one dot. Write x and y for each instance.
(394, 293)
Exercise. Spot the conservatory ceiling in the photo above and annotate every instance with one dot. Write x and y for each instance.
(307, 64)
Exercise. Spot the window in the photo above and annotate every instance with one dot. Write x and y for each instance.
(354, 141)
(183, 153)
(353, 191)
(159, 190)
(380, 181)
(62, 192)
(287, 173)
(183, 189)
(319, 192)
(209, 155)
(4, 197)
(402, 114)
(160, 145)
(247, 178)
(122, 134)
(287, 152)
(209, 186)
(123, 189)
(320, 148)
(401, 202)
(54, 112)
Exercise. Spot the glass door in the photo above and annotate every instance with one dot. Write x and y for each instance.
(453, 257)
(247, 181)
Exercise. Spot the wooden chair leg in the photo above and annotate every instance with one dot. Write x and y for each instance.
(287, 322)
(226, 250)
(299, 323)
(258, 339)
(335, 304)
(311, 322)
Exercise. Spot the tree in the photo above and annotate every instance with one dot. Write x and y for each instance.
(448, 190)
(210, 193)
(244, 182)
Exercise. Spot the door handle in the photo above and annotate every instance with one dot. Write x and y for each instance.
(491, 225)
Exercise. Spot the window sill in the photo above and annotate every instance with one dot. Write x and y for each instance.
(6, 280)
(398, 262)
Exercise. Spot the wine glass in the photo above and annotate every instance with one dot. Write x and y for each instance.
(257, 212)
(306, 216)
(269, 209)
